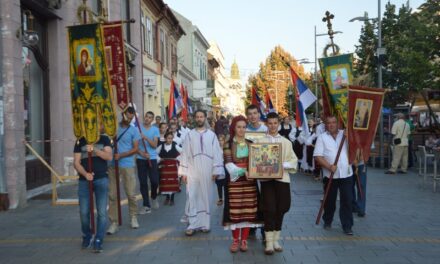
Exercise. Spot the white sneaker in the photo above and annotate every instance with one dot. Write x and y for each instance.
(134, 222)
(144, 210)
(155, 204)
(113, 228)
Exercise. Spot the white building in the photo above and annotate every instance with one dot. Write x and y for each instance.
(193, 62)
(228, 87)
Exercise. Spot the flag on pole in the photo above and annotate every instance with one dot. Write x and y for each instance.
(256, 100)
(188, 102)
(184, 113)
(175, 104)
(268, 101)
(171, 103)
(304, 99)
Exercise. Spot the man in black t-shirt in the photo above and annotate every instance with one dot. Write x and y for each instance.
(101, 153)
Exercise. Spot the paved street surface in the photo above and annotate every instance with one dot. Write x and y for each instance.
(402, 225)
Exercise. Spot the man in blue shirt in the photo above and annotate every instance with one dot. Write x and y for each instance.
(147, 163)
(253, 117)
(127, 146)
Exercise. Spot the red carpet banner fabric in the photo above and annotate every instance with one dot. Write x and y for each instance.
(92, 104)
(114, 51)
(364, 109)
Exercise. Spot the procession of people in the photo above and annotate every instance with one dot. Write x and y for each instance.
(166, 155)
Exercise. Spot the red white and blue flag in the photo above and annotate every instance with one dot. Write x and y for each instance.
(256, 100)
(304, 98)
(269, 105)
(175, 104)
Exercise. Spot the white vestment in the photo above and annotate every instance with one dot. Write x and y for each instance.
(201, 158)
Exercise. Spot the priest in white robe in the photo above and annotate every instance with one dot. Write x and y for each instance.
(201, 162)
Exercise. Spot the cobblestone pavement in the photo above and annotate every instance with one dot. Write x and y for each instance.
(402, 225)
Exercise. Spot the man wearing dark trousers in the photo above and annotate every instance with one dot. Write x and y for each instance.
(326, 149)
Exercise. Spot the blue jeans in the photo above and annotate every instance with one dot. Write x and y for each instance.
(146, 171)
(100, 189)
(359, 201)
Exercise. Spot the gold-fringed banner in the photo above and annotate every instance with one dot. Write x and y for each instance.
(364, 110)
(115, 59)
(92, 104)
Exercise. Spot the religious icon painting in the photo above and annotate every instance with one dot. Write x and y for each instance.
(85, 58)
(265, 161)
(362, 114)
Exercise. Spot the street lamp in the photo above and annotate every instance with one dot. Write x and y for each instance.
(290, 93)
(316, 67)
(380, 51)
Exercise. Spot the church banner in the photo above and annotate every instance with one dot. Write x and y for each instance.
(114, 51)
(338, 74)
(364, 109)
(92, 105)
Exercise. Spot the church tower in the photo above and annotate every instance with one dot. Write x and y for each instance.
(235, 73)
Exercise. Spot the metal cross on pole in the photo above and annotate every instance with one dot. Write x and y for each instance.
(328, 18)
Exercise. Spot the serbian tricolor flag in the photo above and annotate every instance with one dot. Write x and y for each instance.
(269, 105)
(256, 100)
(175, 104)
(304, 99)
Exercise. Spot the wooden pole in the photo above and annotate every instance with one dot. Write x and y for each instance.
(118, 189)
(91, 200)
(329, 184)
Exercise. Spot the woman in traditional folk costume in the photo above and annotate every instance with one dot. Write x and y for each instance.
(168, 167)
(241, 195)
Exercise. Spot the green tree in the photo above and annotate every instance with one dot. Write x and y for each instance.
(274, 76)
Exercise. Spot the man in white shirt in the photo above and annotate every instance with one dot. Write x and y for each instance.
(400, 130)
(326, 149)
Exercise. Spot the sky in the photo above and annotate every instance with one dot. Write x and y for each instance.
(248, 30)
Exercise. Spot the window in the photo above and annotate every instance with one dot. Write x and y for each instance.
(167, 51)
(149, 38)
(125, 15)
(162, 46)
(155, 50)
(144, 32)
(96, 6)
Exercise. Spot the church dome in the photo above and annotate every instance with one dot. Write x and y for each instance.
(235, 73)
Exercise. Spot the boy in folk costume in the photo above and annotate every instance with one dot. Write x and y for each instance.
(241, 194)
(168, 166)
(275, 194)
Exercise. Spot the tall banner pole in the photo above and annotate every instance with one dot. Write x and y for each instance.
(329, 184)
(92, 203)
(89, 160)
(118, 189)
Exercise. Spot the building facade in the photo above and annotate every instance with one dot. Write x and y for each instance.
(228, 85)
(160, 32)
(35, 85)
(193, 63)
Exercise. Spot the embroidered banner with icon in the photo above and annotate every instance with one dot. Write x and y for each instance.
(364, 108)
(92, 105)
(114, 51)
(338, 74)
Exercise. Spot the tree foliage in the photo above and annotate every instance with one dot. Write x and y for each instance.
(412, 42)
(274, 76)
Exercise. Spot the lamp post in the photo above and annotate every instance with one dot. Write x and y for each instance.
(380, 51)
(290, 93)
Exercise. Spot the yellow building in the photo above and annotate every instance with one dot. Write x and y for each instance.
(160, 31)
